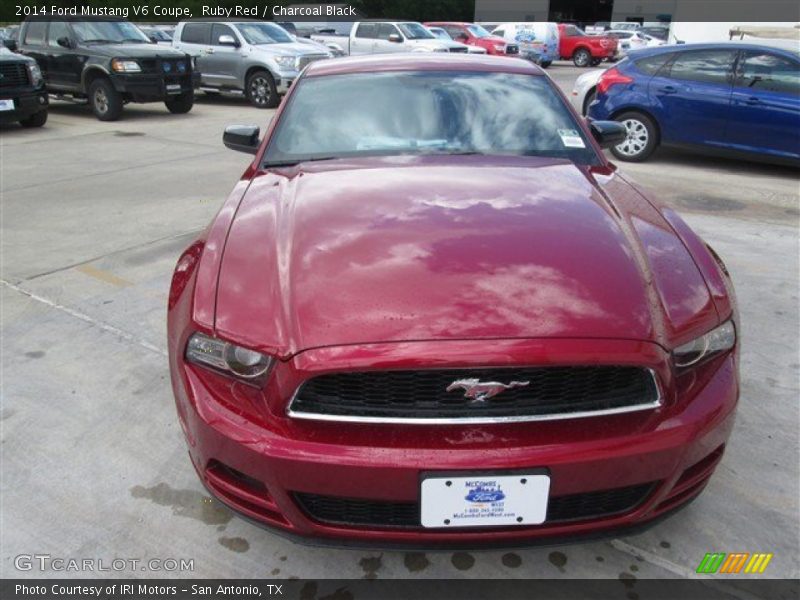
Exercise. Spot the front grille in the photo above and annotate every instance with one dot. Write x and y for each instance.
(460, 50)
(551, 392)
(304, 61)
(376, 513)
(13, 74)
(512, 49)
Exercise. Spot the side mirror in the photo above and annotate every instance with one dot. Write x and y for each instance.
(608, 133)
(395, 38)
(227, 40)
(64, 42)
(10, 44)
(153, 39)
(242, 138)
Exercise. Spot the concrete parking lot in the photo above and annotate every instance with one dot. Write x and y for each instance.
(94, 216)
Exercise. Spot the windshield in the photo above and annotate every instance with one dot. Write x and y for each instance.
(478, 31)
(415, 31)
(440, 33)
(263, 33)
(108, 32)
(426, 112)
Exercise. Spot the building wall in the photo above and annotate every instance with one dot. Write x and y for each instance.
(511, 10)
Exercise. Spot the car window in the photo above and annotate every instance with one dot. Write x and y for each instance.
(704, 66)
(196, 33)
(769, 73)
(385, 30)
(57, 29)
(415, 31)
(218, 30)
(367, 30)
(571, 31)
(500, 32)
(651, 64)
(427, 112)
(258, 33)
(34, 34)
(454, 32)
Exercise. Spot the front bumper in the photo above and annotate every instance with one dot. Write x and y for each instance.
(25, 104)
(153, 87)
(264, 468)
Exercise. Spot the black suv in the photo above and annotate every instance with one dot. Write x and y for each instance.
(108, 63)
(22, 94)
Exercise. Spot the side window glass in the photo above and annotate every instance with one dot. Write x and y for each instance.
(652, 64)
(218, 30)
(703, 66)
(385, 30)
(34, 35)
(769, 73)
(57, 29)
(367, 30)
(195, 33)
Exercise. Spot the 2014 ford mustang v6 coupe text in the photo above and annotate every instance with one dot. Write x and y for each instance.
(433, 313)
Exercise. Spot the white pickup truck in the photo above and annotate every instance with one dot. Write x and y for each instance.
(381, 37)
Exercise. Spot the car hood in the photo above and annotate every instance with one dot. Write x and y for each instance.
(290, 49)
(438, 248)
(134, 50)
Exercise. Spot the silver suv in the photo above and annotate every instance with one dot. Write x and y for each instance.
(257, 58)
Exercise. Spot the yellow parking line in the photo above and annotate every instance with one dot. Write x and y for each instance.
(104, 276)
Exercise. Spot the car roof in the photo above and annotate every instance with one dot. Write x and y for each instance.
(788, 46)
(421, 62)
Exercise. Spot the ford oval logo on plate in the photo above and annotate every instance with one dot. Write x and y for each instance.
(485, 494)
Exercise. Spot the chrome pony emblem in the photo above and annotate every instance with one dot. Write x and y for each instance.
(480, 391)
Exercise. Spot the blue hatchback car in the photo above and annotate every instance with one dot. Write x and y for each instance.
(739, 97)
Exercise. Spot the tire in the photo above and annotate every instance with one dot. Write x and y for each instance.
(261, 90)
(588, 100)
(35, 120)
(582, 58)
(642, 137)
(546, 64)
(180, 105)
(106, 102)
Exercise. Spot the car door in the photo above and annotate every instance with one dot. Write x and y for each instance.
(33, 43)
(195, 40)
(692, 94)
(221, 60)
(64, 63)
(765, 104)
(383, 45)
(363, 42)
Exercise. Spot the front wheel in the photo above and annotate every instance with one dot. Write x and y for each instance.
(180, 105)
(35, 120)
(262, 91)
(642, 137)
(582, 58)
(106, 102)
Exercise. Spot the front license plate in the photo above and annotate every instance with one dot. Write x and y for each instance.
(174, 88)
(483, 500)
(7, 104)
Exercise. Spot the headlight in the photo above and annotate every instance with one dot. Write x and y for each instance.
(35, 74)
(286, 62)
(121, 65)
(717, 340)
(223, 356)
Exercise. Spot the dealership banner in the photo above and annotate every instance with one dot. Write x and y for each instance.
(626, 588)
(416, 10)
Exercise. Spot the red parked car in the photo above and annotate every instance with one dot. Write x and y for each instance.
(584, 50)
(475, 35)
(467, 328)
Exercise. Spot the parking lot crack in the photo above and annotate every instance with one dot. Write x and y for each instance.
(125, 335)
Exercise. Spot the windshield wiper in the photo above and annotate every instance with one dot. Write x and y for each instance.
(101, 41)
(295, 162)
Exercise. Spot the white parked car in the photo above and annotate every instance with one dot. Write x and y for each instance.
(585, 90)
(627, 40)
(442, 34)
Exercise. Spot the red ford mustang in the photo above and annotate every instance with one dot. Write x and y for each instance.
(432, 313)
